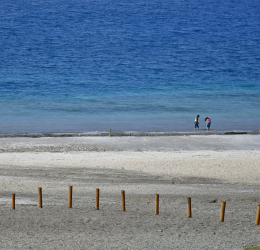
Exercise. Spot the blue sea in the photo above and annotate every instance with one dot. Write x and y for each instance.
(129, 65)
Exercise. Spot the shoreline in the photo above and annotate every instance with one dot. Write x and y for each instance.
(129, 133)
(58, 143)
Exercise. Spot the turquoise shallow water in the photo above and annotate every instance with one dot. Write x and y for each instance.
(133, 66)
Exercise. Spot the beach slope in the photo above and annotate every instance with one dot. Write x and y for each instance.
(208, 168)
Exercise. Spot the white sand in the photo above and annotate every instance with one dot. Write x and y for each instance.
(209, 169)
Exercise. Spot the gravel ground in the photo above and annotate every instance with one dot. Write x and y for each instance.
(218, 168)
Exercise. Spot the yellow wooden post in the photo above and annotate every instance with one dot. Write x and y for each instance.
(189, 207)
(70, 197)
(222, 212)
(97, 199)
(40, 196)
(157, 204)
(13, 201)
(123, 200)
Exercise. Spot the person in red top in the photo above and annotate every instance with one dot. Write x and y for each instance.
(208, 122)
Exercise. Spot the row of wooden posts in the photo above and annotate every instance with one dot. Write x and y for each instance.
(222, 212)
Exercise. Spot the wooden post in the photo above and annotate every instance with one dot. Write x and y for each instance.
(222, 213)
(157, 204)
(97, 199)
(257, 215)
(123, 200)
(13, 201)
(40, 196)
(189, 207)
(110, 133)
(70, 197)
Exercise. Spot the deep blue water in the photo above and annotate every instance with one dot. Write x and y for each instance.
(139, 65)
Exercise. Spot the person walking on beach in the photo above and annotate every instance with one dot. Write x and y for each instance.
(197, 122)
(208, 122)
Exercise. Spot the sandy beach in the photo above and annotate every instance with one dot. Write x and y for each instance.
(209, 168)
